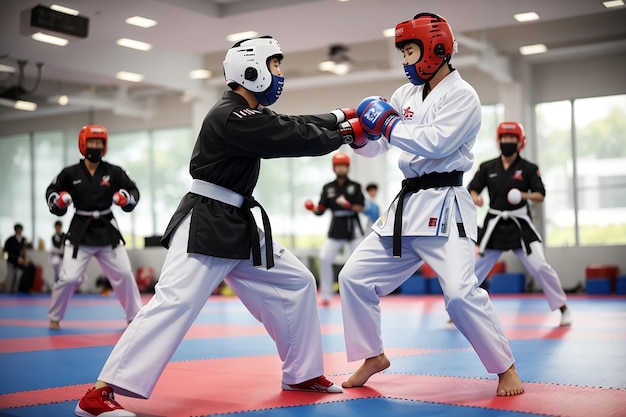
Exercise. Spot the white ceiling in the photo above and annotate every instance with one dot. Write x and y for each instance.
(190, 34)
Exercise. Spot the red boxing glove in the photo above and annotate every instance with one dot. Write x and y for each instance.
(63, 200)
(121, 198)
(344, 114)
(352, 133)
(349, 112)
(309, 205)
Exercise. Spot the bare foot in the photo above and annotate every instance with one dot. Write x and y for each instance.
(54, 325)
(509, 383)
(370, 367)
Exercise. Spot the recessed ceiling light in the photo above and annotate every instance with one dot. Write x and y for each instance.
(64, 9)
(200, 74)
(613, 3)
(129, 76)
(389, 33)
(533, 49)
(54, 40)
(526, 17)
(143, 22)
(7, 68)
(63, 100)
(236, 37)
(25, 105)
(133, 44)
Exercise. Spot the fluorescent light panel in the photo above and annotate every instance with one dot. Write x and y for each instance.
(389, 33)
(64, 9)
(613, 3)
(7, 68)
(200, 74)
(133, 44)
(129, 76)
(526, 17)
(236, 37)
(25, 105)
(142, 22)
(533, 49)
(54, 40)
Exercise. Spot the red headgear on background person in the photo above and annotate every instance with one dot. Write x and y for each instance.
(512, 128)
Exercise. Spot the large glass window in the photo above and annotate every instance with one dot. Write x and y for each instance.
(48, 162)
(582, 155)
(170, 179)
(156, 160)
(16, 185)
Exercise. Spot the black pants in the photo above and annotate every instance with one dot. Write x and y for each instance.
(28, 277)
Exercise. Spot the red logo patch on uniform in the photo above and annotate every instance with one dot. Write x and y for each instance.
(517, 175)
(432, 222)
(105, 181)
(407, 113)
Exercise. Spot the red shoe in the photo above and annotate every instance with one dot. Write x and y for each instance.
(319, 384)
(100, 403)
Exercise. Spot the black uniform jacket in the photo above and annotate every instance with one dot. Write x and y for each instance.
(228, 152)
(15, 249)
(342, 227)
(523, 175)
(92, 194)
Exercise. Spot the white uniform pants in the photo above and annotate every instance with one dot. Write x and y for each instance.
(283, 298)
(115, 265)
(327, 255)
(535, 264)
(372, 272)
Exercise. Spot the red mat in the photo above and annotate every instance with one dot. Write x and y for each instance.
(247, 384)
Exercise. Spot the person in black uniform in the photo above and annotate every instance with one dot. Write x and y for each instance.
(17, 261)
(345, 199)
(93, 185)
(213, 237)
(511, 182)
(56, 251)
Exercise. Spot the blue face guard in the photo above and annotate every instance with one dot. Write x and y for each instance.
(269, 96)
(412, 75)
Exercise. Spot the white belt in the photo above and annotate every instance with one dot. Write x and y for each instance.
(520, 213)
(343, 213)
(95, 214)
(216, 192)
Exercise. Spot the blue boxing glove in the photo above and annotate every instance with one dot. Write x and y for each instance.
(378, 117)
(366, 102)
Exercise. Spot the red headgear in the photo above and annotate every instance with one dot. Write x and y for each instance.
(341, 159)
(433, 35)
(512, 128)
(89, 132)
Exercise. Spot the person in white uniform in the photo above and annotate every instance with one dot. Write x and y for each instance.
(434, 120)
(93, 186)
(213, 237)
(511, 182)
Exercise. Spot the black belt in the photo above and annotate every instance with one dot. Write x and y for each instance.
(247, 205)
(412, 185)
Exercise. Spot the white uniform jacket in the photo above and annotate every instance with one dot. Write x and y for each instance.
(436, 134)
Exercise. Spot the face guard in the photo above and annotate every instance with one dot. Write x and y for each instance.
(246, 64)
